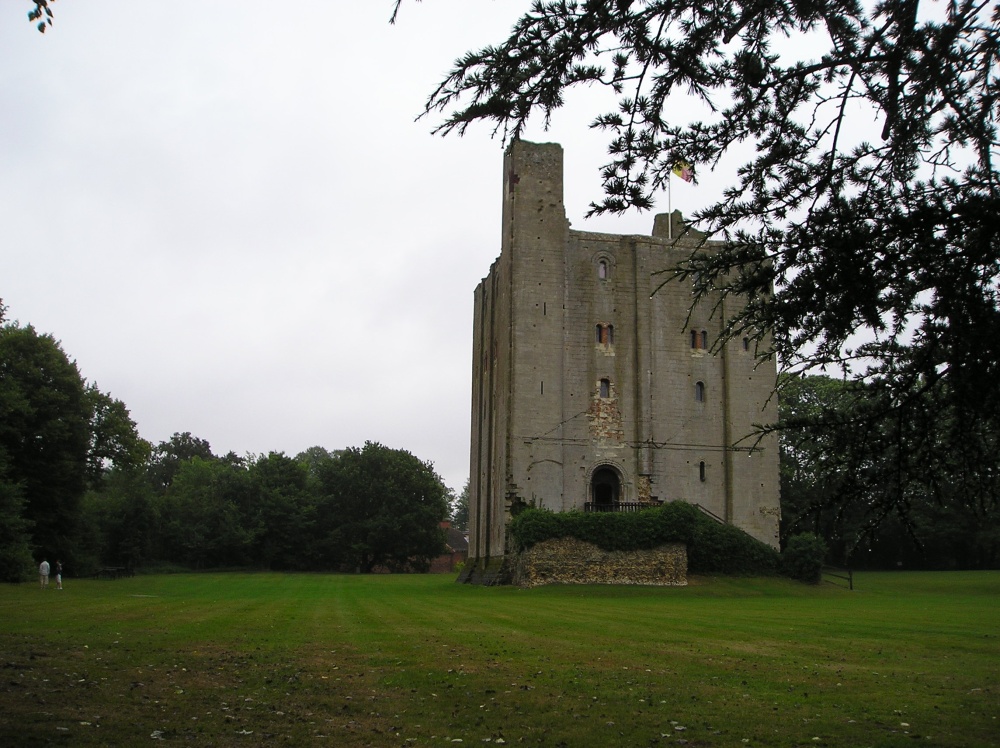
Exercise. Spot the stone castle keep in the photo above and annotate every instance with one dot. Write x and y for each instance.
(592, 392)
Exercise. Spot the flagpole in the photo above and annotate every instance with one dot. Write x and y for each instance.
(670, 208)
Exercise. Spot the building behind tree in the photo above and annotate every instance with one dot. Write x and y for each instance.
(596, 385)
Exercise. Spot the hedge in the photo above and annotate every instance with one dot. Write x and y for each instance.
(712, 548)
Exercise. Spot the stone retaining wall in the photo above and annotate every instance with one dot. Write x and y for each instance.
(572, 561)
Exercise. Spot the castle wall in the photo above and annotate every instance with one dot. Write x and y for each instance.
(572, 561)
(584, 363)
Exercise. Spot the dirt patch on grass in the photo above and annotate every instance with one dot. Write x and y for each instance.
(76, 695)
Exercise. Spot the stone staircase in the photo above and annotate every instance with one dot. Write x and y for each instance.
(487, 572)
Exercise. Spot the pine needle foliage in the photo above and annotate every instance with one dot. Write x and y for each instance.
(41, 14)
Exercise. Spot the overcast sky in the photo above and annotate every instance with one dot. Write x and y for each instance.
(228, 216)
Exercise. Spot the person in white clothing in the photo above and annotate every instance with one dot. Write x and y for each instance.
(43, 574)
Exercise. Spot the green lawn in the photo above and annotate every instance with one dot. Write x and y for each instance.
(308, 659)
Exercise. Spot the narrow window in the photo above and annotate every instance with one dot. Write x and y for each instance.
(694, 339)
(701, 471)
(602, 270)
(699, 392)
(605, 388)
(704, 340)
(746, 344)
(611, 334)
(600, 334)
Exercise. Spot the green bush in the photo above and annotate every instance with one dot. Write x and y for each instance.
(803, 558)
(711, 547)
(724, 549)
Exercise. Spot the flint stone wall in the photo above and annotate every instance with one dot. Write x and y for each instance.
(572, 561)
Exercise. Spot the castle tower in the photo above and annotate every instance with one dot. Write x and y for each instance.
(594, 385)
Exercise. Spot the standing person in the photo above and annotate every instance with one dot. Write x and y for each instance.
(43, 573)
(58, 574)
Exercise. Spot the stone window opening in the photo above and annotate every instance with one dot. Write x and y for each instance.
(699, 392)
(701, 471)
(605, 388)
(605, 334)
(602, 270)
(699, 340)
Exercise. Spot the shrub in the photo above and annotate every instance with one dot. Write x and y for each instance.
(803, 558)
(724, 549)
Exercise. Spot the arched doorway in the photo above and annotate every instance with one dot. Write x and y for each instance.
(605, 488)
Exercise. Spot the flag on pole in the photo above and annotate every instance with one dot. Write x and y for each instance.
(683, 170)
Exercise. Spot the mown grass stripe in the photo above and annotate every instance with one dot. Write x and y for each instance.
(302, 659)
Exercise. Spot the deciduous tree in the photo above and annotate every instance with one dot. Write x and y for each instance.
(168, 456)
(114, 437)
(205, 514)
(866, 494)
(283, 512)
(460, 509)
(381, 508)
(16, 560)
(44, 433)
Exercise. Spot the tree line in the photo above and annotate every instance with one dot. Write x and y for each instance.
(357, 509)
(78, 483)
(895, 496)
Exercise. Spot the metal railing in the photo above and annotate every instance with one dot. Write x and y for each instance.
(845, 574)
(710, 514)
(620, 506)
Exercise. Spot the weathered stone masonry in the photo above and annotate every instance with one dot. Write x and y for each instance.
(572, 561)
(590, 387)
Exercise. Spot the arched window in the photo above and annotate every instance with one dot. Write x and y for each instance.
(600, 334)
(605, 388)
(746, 344)
(704, 340)
(694, 339)
(699, 392)
(611, 334)
(701, 471)
(602, 270)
